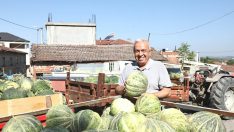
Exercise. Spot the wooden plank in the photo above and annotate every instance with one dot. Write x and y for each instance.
(30, 104)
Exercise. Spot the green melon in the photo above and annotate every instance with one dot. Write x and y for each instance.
(45, 92)
(40, 85)
(152, 125)
(55, 129)
(13, 93)
(26, 84)
(206, 121)
(10, 84)
(176, 119)
(121, 105)
(59, 116)
(114, 122)
(136, 84)
(85, 120)
(105, 122)
(148, 104)
(23, 123)
(106, 111)
(130, 122)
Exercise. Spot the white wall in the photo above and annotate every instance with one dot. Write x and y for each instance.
(71, 33)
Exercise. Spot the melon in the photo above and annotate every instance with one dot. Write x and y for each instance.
(121, 105)
(148, 104)
(55, 129)
(45, 92)
(59, 116)
(114, 122)
(136, 84)
(85, 120)
(152, 125)
(26, 84)
(40, 85)
(176, 119)
(206, 121)
(13, 93)
(130, 122)
(106, 111)
(23, 123)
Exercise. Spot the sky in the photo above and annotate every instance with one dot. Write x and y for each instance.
(206, 25)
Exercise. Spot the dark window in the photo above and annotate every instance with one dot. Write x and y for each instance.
(18, 46)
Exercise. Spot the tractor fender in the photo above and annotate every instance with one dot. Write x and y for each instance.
(217, 77)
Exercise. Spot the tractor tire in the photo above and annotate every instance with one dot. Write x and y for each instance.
(222, 94)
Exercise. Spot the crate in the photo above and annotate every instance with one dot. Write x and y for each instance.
(30, 104)
(77, 91)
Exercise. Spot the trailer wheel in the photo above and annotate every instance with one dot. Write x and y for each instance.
(222, 94)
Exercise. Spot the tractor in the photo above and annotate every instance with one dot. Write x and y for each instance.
(208, 85)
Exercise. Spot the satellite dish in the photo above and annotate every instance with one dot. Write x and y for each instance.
(110, 36)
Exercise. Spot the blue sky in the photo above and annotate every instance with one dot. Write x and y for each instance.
(132, 19)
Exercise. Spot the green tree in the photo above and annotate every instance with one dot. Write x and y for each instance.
(230, 62)
(207, 60)
(185, 52)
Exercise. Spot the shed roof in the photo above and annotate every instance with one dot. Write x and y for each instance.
(86, 53)
(4, 36)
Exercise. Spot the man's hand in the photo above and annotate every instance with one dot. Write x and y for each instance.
(120, 90)
(163, 93)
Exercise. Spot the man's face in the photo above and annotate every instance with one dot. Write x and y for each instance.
(142, 53)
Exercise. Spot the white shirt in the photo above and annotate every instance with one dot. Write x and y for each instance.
(155, 72)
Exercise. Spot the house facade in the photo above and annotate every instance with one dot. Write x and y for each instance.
(11, 41)
(172, 56)
(12, 61)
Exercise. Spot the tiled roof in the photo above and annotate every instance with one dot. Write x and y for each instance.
(11, 38)
(229, 68)
(86, 53)
(111, 42)
(5, 49)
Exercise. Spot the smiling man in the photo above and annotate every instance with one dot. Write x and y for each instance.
(158, 78)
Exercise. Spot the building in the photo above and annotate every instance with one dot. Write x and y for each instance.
(71, 33)
(11, 41)
(171, 56)
(12, 61)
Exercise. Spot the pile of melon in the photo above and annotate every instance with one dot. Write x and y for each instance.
(146, 115)
(20, 87)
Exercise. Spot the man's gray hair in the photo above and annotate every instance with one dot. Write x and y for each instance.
(143, 41)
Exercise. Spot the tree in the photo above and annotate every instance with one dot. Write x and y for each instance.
(230, 62)
(185, 52)
(207, 60)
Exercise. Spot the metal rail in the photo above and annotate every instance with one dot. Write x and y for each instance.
(197, 108)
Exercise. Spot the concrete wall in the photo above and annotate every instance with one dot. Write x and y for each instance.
(71, 33)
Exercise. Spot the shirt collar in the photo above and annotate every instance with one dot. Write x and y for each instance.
(147, 67)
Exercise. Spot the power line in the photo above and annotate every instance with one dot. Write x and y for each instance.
(198, 26)
(18, 24)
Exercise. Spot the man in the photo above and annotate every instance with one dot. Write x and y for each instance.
(158, 79)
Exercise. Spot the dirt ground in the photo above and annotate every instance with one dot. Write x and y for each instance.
(229, 124)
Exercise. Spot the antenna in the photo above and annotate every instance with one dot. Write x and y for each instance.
(50, 17)
(148, 37)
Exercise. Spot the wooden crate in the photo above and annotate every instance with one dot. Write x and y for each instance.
(30, 104)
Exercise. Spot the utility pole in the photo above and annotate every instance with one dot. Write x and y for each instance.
(41, 34)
